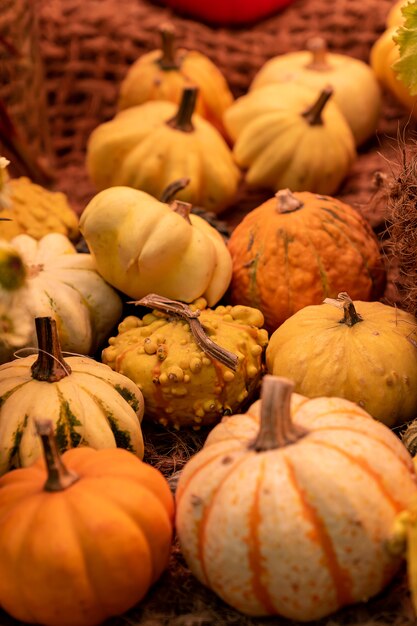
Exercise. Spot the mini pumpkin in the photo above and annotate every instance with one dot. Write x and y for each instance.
(97, 532)
(287, 510)
(163, 74)
(49, 278)
(188, 378)
(151, 145)
(29, 208)
(88, 403)
(356, 89)
(299, 248)
(142, 245)
(291, 136)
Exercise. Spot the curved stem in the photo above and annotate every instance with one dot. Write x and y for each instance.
(277, 429)
(167, 60)
(287, 202)
(182, 208)
(171, 190)
(313, 114)
(50, 365)
(183, 311)
(182, 118)
(319, 60)
(59, 477)
(343, 301)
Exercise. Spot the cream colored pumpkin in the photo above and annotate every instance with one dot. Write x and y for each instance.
(292, 517)
(145, 246)
(49, 278)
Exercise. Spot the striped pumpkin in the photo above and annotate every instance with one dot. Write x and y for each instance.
(88, 403)
(292, 517)
(299, 248)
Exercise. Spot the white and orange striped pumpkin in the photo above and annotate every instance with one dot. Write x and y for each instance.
(292, 518)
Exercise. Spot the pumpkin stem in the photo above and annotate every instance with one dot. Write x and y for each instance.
(343, 301)
(59, 477)
(182, 119)
(313, 114)
(50, 365)
(318, 48)
(182, 208)
(179, 309)
(12, 269)
(172, 189)
(287, 202)
(277, 429)
(167, 60)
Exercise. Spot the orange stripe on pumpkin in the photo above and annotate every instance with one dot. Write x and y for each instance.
(340, 576)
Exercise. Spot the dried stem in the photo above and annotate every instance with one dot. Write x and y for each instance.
(343, 301)
(313, 114)
(50, 365)
(59, 477)
(182, 119)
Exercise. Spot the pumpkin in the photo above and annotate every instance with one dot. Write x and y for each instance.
(395, 14)
(96, 527)
(290, 516)
(299, 248)
(192, 364)
(366, 352)
(287, 136)
(31, 209)
(88, 403)
(356, 89)
(142, 245)
(49, 278)
(228, 11)
(151, 145)
(163, 74)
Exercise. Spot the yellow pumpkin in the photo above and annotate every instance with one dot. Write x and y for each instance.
(151, 145)
(363, 351)
(142, 245)
(291, 136)
(163, 74)
(31, 209)
(96, 527)
(395, 16)
(88, 403)
(287, 509)
(188, 378)
(356, 90)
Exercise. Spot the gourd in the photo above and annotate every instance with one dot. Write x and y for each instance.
(96, 527)
(291, 516)
(163, 74)
(151, 145)
(365, 352)
(142, 245)
(356, 89)
(299, 248)
(192, 364)
(88, 403)
(31, 209)
(49, 278)
(228, 11)
(291, 136)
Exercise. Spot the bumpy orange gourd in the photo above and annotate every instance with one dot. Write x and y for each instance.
(299, 248)
(163, 74)
(292, 517)
(95, 535)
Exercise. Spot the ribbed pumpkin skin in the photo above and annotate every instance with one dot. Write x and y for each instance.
(283, 262)
(92, 406)
(298, 531)
(117, 518)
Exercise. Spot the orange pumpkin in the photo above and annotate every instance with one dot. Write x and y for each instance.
(87, 543)
(299, 248)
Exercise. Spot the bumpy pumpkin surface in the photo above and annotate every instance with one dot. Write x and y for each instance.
(292, 517)
(96, 535)
(363, 351)
(181, 384)
(356, 90)
(297, 249)
(145, 246)
(291, 136)
(151, 145)
(32, 209)
(163, 74)
(88, 403)
(49, 278)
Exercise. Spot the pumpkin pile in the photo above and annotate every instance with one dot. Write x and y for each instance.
(273, 345)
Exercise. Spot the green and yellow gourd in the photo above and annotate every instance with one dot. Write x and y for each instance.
(179, 369)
